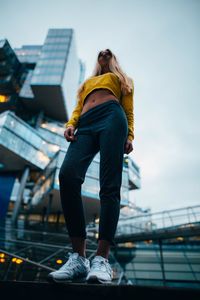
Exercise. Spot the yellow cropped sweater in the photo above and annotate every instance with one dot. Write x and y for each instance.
(107, 81)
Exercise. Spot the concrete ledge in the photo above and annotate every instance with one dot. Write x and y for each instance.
(33, 290)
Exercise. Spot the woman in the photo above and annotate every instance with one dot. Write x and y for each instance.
(101, 121)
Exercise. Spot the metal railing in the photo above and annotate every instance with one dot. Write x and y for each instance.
(150, 222)
(156, 253)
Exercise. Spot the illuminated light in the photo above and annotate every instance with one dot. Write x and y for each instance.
(2, 260)
(129, 244)
(42, 157)
(19, 261)
(53, 148)
(44, 125)
(14, 259)
(126, 160)
(97, 220)
(3, 98)
(12, 123)
(2, 254)
(180, 238)
(53, 129)
(59, 261)
(148, 241)
(96, 235)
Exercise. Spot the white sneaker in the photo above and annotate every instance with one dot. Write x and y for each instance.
(75, 269)
(100, 271)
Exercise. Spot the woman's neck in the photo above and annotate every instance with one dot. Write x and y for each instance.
(105, 70)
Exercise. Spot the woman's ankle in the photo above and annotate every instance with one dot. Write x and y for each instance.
(79, 245)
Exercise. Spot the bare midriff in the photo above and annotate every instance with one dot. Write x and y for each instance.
(97, 97)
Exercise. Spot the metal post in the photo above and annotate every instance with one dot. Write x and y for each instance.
(18, 202)
(48, 209)
(39, 119)
(162, 261)
(58, 218)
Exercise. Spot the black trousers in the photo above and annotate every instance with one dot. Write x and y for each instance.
(102, 128)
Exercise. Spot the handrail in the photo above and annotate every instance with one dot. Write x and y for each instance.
(163, 219)
(27, 260)
(160, 212)
(190, 207)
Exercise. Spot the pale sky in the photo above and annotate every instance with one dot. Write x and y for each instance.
(157, 44)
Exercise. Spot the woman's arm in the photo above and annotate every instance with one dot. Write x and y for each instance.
(75, 115)
(127, 102)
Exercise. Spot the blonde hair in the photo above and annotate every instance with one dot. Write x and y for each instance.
(126, 82)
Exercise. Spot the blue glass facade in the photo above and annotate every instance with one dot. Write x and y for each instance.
(52, 61)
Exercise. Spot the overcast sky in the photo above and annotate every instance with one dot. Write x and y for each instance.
(157, 44)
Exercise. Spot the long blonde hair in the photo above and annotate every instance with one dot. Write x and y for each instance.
(126, 82)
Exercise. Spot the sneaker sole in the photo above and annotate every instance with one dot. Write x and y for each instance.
(95, 279)
(50, 279)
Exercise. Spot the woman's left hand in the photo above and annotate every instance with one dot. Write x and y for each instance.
(128, 146)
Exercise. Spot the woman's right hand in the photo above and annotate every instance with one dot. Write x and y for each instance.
(69, 134)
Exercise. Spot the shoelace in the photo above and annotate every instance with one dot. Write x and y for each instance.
(99, 263)
(70, 262)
